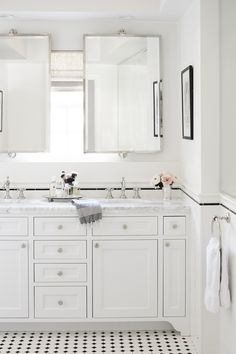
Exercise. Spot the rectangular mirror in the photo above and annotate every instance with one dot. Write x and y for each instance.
(25, 92)
(122, 93)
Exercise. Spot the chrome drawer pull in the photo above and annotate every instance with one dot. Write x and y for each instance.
(60, 227)
(60, 302)
(60, 250)
(174, 226)
(60, 273)
(125, 226)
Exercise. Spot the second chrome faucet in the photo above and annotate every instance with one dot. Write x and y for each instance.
(123, 187)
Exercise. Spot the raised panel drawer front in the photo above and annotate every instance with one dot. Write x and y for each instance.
(13, 227)
(60, 273)
(58, 226)
(174, 225)
(60, 302)
(60, 250)
(123, 226)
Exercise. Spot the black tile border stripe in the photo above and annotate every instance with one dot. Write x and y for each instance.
(209, 204)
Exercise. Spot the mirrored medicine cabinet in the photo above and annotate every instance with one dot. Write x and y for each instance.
(123, 97)
(25, 92)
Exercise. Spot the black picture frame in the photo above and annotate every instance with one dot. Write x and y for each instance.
(187, 102)
(155, 109)
(1, 109)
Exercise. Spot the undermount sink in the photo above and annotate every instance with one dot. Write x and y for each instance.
(121, 200)
(18, 201)
(130, 201)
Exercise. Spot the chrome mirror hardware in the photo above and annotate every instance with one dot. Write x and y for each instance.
(21, 193)
(109, 193)
(6, 186)
(123, 187)
(137, 193)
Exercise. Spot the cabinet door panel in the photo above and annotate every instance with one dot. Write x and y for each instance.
(174, 278)
(14, 279)
(125, 278)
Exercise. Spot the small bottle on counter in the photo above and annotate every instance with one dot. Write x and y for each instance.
(60, 189)
(52, 187)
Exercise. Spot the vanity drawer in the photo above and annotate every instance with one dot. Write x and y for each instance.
(58, 226)
(60, 302)
(174, 225)
(60, 273)
(123, 226)
(13, 227)
(60, 250)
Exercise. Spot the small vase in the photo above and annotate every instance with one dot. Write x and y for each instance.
(166, 192)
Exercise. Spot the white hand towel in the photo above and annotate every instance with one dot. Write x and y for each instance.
(212, 299)
(224, 283)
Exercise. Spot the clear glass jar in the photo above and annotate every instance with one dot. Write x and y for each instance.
(166, 192)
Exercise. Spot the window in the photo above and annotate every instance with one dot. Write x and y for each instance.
(66, 133)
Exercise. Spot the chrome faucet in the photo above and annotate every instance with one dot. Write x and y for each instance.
(6, 186)
(123, 185)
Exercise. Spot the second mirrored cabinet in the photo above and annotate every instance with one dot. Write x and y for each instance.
(123, 111)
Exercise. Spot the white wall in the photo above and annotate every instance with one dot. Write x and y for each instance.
(204, 325)
(69, 35)
(210, 97)
(228, 102)
(228, 317)
(199, 33)
(190, 55)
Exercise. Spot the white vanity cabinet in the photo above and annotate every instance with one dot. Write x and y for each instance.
(139, 269)
(125, 278)
(14, 264)
(132, 266)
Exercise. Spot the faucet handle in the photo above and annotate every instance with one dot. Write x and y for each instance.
(109, 193)
(21, 193)
(6, 186)
(7, 182)
(136, 193)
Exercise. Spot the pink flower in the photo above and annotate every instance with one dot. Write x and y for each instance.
(167, 179)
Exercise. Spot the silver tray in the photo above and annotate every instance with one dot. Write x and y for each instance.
(62, 199)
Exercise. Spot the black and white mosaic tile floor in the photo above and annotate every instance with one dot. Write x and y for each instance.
(165, 342)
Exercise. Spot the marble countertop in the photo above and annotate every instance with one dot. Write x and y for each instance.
(109, 207)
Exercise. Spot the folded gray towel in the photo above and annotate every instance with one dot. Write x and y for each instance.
(89, 210)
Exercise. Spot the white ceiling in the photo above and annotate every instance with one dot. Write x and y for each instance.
(85, 9)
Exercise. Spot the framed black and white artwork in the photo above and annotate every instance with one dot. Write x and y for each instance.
(187, 102)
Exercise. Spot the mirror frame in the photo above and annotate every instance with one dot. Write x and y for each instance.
(122, 33)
